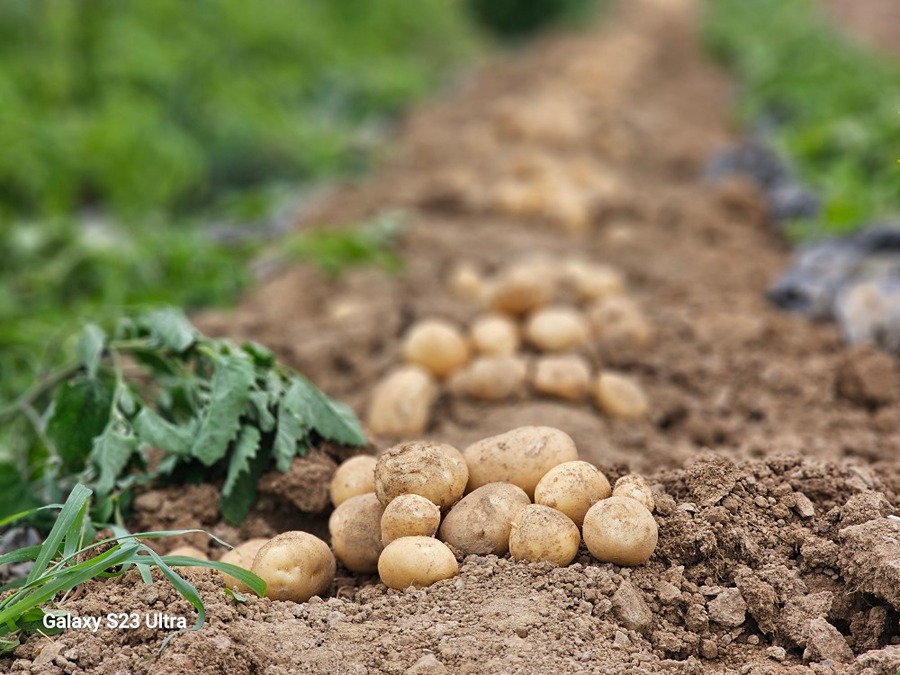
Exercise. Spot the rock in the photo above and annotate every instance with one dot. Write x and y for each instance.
(630, 608)
(776, 652)
(728, 608)
(48, 654)
(803, 506)
(761, 599)
(825, 642)
(427, 665)
(868, 558)
(799, 612)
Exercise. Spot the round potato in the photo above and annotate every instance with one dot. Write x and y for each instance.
(567, 377)
(636, 487)
(241, 555)
(355, 528)
(416, 561)
(491, 378)
(466, 282)
(618, 320)
(436, 471)
(354, 477)
(409, 516)
(479, 524)
(541, 533)
(593, 281)
(572, 488)
(436, 345)
(295, 566)
(189, 551)
(620, 396)
(521, 457)
(495, 335)
(620, 530)
(557, 329)
(519, 289)
(401, 403)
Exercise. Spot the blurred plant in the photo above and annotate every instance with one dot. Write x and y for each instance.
(515, 19)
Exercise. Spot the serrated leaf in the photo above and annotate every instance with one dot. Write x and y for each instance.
(245, 450)
(158, 432)
(262, 356)
(242, 496)
(111, 454)
(90, 348)
(171, 327)
(333, 420)
(294, 424)
(80, 413)
(220, 420)
(259, 400)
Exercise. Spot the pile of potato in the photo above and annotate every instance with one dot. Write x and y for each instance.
(539, 324)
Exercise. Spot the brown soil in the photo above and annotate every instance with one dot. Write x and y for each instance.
(875, 23)
(771, 447)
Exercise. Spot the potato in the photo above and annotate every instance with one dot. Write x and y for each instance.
(620, 530)
(620, 396)
(436, 471)
(416, 561)
(521, 457)
(189, 551)
(520, 289)
(636, 487)
(295, 566)
(593, 281)
(479, 524)
(557, 329)
(541, 533)
(436, 345)
(355, 528)
(354, 477)
(467, 283)
(495, 335)
(241, 555)
(572, 488)
(618, 320)
(409, 516)
(491, 378)
(401, 403)
(567, 376)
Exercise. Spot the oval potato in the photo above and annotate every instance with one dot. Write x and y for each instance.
(636, 487)
(491, 378)
(618, 320)
(401, 402)
(436, 471)
(541, 533)
(241, 555)
(355, 528)
(567, 376)
(479, 524)
(409, 516)
(620, 530)
(556, 329)
(436, 345)
(519, 289)
(620, 396)
(572, 488)
(416, 561)
(495, 335)
(295, 566)
(356, 476)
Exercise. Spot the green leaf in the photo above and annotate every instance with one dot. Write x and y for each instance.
(241, 457)
(80, 413)
(259, 400)
(333, 420)
(15, 496)
(172, 328)
(294, 422)
(237, 505)
(158, 432)
(220, 420)
(111, 454)
(90, 348)
(67, 524)
(8, 645)
(262, 356)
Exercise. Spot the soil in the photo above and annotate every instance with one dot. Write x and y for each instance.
(772, 448)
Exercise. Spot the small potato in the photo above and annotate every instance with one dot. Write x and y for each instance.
(572, 488)
(567, 377)
(467, 283)
(520, 289)
(557, 329)
(416, 561)
(295, 566)
(401, 403)
(542, 533)
(636, 487)
(491, 378)
(354, 477)
(521, 457)
(436, 345)
(620, 396)
(618, 320)
(495, 335)
(355, 528)
(593, 281)
(409, 516)
(241, 555)
(620, 530)
(436, 471)
(479, 524)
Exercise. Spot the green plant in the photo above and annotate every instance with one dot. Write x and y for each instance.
(514, 19)
(67, 559)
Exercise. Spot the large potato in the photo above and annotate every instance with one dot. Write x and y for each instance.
(355, 528)
(401, 403)
(495, 335)
(620, 530)
(354, 477)
(436, 345)
(541, 533)
(241, 555)
(479, 524)
(409, 516)
(491, 378)
(567, 376)
(620, 396)
(572, 488)
(295, 566)
(436, 471)
(416, 561)
(556, 329)
(521, 457)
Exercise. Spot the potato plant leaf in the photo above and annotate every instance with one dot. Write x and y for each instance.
(90, 348)
(235, 507)
(158, 432)
(294, 417)
(333, 420)
(80, 413)
(222, 418)
(111, 454)
(172, 328)
(245, 450)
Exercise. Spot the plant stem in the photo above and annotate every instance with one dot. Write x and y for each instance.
(24, 402)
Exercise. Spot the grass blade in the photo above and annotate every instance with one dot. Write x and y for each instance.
(72, 515)
(256, 584)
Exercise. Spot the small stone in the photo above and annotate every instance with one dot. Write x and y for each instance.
(427, 665)
(709, 649)
(825, 642)
(728, 608)
(803, 506)
(668, 593)
(48, 654)
(630, 608)
(621, 640)
(776, 652)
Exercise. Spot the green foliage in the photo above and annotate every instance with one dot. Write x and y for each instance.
(67, 559)
(514, 19)
(835, 106)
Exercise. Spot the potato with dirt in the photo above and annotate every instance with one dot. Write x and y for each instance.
(416, 561)
(295, 566)
(401, 403)
(521, 457)
(620, 396)
(541, 533)
(567, 377)
(436, 471)
(491, 378)
(557, 329)
(617, 320)
(243, 556)
(409, 516)
(620, 530)
(480, 523)
(495, 335)
(520, 289)
(437, 346)
(355, 529)
(572, 488)
(593, 281)
(356, 476)
(635, 487)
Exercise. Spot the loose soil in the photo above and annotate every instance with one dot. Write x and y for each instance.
(772, 448)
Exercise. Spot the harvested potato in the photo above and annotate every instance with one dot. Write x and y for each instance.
(436, 345)
(593, 281)
(479, 524)
(521, 457)
(556, 329)
(401, 403)
(241, 555)
(189, 552)
(436, 471)
(541, 533)
(618, 320)
(620, 530)
(466, 281)
(636, 487)
(409, 516)
(491, 378)
(295, 566)
(495, 335)
(355, 528)
(567, 376)
(520, 289)
(354, 477)
(416, 561)
(620, 396)
(572, 488)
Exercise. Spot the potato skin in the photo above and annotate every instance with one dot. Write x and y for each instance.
(354, 477)
(620, 396)
(400, 404)
(521, 457)
(295, 566)
(542, 533)
(409, 516)
(636, 487)
(567, 376)
(436, 471)
(355, 528)
(618, 320)
(556, 329)
(480, 523)
(495, 335)
(241, 555)
(491, 378)
(416, 561)
(620, 530)
(572, 488)
(436, 345)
